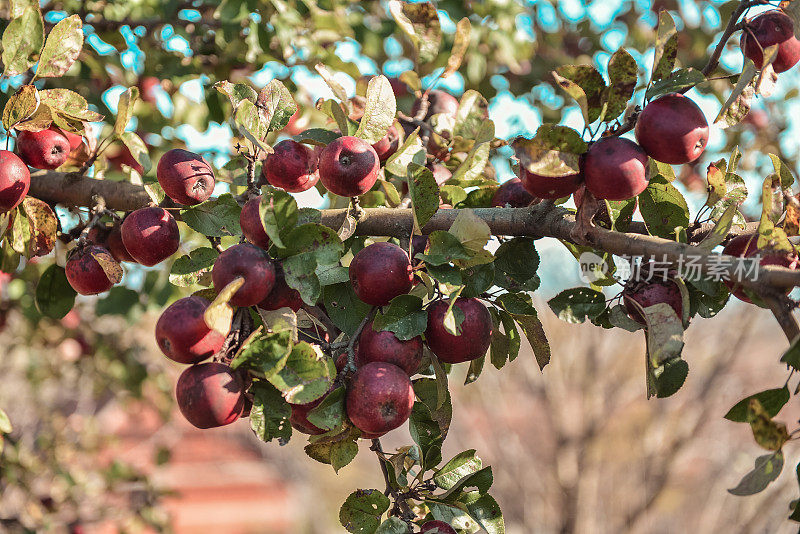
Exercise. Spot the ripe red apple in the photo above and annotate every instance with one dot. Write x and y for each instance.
(115, 245)
(348, 167)
(513, 194)
(379, 398)
(648, 294)
(15, 180)
(745, 246)
(438, 102)
(250, 221)
(299, 418)
(182, 333)
(185, 177)
(84, 272)
(772, 27)
(475, 337)
(383, 346)
(281, 296)
(380, 272)
(292, 167)
(150, 235)
(615, 168)
(249, 262)
(672, 129)
(74, 139)
(45, 149)
(124, 157)
(388, 144)
(550, 187)
(210, 395)
(437, 527)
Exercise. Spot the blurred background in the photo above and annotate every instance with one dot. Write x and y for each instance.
(96, 445)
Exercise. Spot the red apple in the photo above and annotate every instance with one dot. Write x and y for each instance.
(348, 167)
(281, 296)
(150, 235)
(512, 193)
(672, 129)
(185, 177)
(615, 168)
(292, 167)
(182, 333)
(252, 226)
(84, 272)
(45, 149)
(379, 398)
(252, 264)
(772, 27)
(437, 527)
(210, 395)
(438, 102)
(383, 346)
(648, 294)
(15, 180)
(380, 272)
(475, 336)
(550, 187)
(388, 144)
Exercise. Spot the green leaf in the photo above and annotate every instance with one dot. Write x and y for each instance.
(266, 354)
(471, 115)
(577, 304)
(737, 106)
(306, 376)
(138, 149)
(125, 109)
(766, 470)
(344, 308)
(188, 270)
(22, 41)
(663, 208)
(679, 81)
(666, 49)
(236, 92)
(623, 73)
(443, 247)
(63, 45)
(461, 43)
(586, 86)
(783, 170)
(720, 231)
(278, 210)
(379, 110)
(458, 467)
(769, 434)
(534, 333)
(518, 259)
(54, 296)
(410, 150)
(68, 104)
(792, 355)
(336, 448)
(393, 525)
(361, 512)
(424, 194)
(420, 22)
(426, 433)
(429, 392)
(404, 317)
(317, 136)
(250, 123)
(485, 510)
(269, 416)
(20, 106)
(336, 88)
(554, 151)
(119, 301)
(216, 217)
(772, 401)
(275, 106)
(330, 413)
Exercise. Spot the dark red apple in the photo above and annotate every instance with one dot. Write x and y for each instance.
(281, 296)
(249, 262)
(348, 167)
(438, 102)
(475, 337)
(383, 346)
(210, 395)
(437, 527)
(252, 226)
(513, 194)
(379, 398)
(550, 187)
(648, 294)
(150, 235)
(182, 332)
(15, 180)
(772, 27)
(185, 177)
(672, 129)
(84, 272)
(292, 167)
(388, 144)
(75, 140)
(615, 168)
(115, 245)
(745, 246)
(380, 272)
(45, 149)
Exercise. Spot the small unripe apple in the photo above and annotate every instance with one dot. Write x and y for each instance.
(672, 129)
(475, 337)
(438, 102)
(437, 527)
(380, 272)
(150, 235)
(45, 149)
(348, 167)
(513, 194)
(383, 346)
(182, 333)
(15, 180)
(388, 144)
(772, 27)
(84, 272)
(281, 296)
(252, 227)
(649, 294)
(185, 177)
(292, 167)
(249, 262)
(379, 398)
(550, 187)
(615, 168)
(210, 395)
(115, 245)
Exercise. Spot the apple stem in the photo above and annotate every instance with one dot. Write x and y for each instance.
(351, 352)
